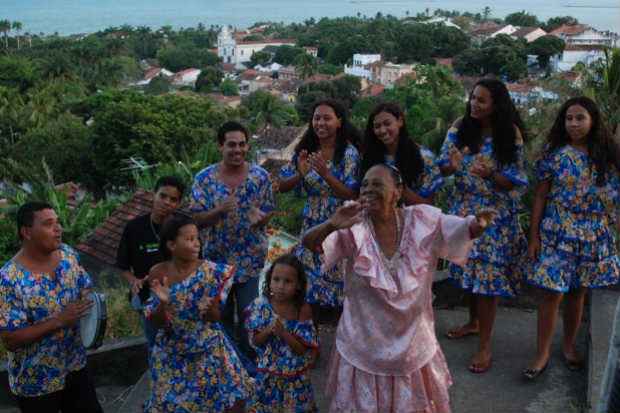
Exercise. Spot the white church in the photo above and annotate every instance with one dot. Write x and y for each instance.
(237, 52)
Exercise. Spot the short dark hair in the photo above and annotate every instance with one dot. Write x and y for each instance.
(292, 261)
(173, 181)
(25, 214)
(170, 231)
(230, 126)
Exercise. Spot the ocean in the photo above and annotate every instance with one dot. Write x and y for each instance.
(86, 16)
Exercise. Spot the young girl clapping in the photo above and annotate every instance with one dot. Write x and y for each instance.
(280, 326)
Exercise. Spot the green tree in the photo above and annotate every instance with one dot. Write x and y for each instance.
(555, 22)
(305, 65)
(208, 79)
(228, 87)
(265, 110)
(260, 58)
(286, 55)
(522, 18)
(5, 28)
(18, 72)
(185, 56)
(159, 85)
(604, 86)
(17, 26)
(545, 47)
(486, 13)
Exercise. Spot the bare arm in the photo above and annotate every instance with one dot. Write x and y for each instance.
(538, 208)
(289, 184)
(14, 340)
(412, 198)
(345, 217)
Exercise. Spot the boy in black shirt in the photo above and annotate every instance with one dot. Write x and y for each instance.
(138, 250)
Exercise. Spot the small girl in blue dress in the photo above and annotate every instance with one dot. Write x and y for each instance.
(280, 326)
(571, 242)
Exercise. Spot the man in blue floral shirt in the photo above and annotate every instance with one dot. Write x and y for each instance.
(232, 202)
(42, 291)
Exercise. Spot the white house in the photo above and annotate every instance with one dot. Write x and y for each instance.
(186, 77)
(361, 65)
(388, 73)
(491, 29)
(575, 53)
(151, 74)
(581, 34)
(525, 94)
(528, 33)
(231, 50)
(446, 21)
(274, 67)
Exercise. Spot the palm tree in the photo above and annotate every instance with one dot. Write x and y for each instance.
(305, 65)
(486, 13)
(5, 28)
(266, 110)
(17, 26)
(604, 87)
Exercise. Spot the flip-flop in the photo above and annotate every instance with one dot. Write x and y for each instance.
(480, 368)
(573, 364)
(455, 334)
(533, 374)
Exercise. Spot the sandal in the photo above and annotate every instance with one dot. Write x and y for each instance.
(573, 364)
(533, 374)
(461, 332)
(480, 368)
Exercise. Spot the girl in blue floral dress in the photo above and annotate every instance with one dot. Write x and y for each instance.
(282, 332)
(484, 153)
(387, 141)
(572, 242)
(194, 366)
(325, 167)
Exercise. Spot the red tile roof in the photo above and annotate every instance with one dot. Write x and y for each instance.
(572, 30)
(524, 31)
(444, 61)
(103, 242)
(519, 87)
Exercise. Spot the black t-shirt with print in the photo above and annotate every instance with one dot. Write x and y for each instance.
(138, 250)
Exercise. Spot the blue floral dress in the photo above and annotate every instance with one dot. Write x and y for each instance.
(578, 246)
(28, 298)
(232, 240)
(283, 382)
(323, 288)
(493, 265)
(430, 180)
(194, 366)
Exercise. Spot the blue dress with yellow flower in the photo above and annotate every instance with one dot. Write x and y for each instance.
(283, 382)
(578, 245)
(323, 288)
(492, 267)
(194, 367)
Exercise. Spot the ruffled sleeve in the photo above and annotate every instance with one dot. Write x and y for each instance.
(544, 168)
(516, 171)
(337, 246)
(13, 314)
(200, 200)
(448, 144)
(150, 306)
(288, 171)
(218, 280)
(305, 332)
(351, 168)
(454, 242)
(431, 179)
(257, 317)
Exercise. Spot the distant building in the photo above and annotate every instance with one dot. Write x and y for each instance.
(151, 74)
(581, 34)
(387, 74)
(288, 73)
(233, 49)
(446, 21)
(488, 30)
(186, 77)
(528, 33)
(523, 94)
(575, 53)
(312, 51)
(361, 65)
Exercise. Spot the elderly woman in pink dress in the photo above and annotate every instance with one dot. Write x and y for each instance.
(387, 357)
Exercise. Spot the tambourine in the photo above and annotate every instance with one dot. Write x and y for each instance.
(93, 324)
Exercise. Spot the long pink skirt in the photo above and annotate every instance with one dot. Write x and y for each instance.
(355, 391)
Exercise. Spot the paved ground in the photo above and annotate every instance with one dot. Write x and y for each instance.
(499, 390)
